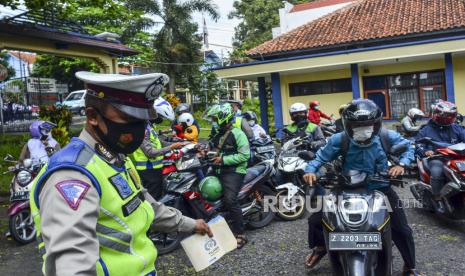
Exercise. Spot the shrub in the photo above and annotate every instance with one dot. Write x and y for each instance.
(173, 100)
(60, 116)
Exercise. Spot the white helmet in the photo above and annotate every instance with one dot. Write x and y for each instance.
(164, 108)
(297, 107)
(186, 118)
(415, 113)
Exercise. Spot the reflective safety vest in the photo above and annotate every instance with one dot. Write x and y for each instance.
(237, 122)
(124, 218)
(141, 160)
(309, 129)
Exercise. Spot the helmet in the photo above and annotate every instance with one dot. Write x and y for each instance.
(164, 108)
(342, 107)
(362, 121)
(223, 113)
(211, 188)
(250, 115)
(314, 103)
(415, 113)
(444, 113)
(239, 103)
(40, 128)
(295, 111)
(186, 118)
(181, 108)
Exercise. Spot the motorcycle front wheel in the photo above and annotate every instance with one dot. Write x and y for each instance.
(166, 243)
(290, 209)
(258, 216)
(22, 227)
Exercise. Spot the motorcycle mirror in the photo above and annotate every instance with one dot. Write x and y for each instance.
(9, 158)
(398, 149)
(306, 155)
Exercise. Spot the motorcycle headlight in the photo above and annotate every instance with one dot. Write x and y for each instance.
(354, 210)
(24, 177)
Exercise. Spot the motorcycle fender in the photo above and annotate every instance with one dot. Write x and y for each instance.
(17, 207)
(292, 189)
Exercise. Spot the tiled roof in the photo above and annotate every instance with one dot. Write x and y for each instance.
(27, 57)
(369, 20)
(318, 4)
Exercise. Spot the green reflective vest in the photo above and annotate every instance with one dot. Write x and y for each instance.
(237, 122)
(124, 218)
(141, 160)
(309, 129)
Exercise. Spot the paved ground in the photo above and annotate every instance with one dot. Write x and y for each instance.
(279, 249)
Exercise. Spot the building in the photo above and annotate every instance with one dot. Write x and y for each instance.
(293, 16)
(401, 54)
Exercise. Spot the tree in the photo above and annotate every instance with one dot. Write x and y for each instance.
(4, 61)
(177, 48)
(258, 18)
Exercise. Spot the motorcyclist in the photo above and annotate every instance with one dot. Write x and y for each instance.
(409, 122)
(300, 126)
(237, 106)
(149, 156)
(41, 144)
(230, 166)
(338, 122)
(189, 130)
(238, 122)
(362, 121)
(315, 114)
(179, 110)
(440, 128)
(258, 130)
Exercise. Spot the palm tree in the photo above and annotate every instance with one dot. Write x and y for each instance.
(177, 42)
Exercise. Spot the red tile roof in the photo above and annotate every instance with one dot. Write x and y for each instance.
(27, 57)
(368, 20)
(318, 4)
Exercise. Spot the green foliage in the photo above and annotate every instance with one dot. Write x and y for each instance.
(258, 18)
(4, 61)
(60, 116)
(9, 144)
(176, 41)
(63, 69)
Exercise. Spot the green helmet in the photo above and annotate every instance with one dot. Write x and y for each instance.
(210, 188)
(223, 112)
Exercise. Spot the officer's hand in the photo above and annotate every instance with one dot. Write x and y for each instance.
(217, 160)
(176, 145)
(429, 153)
(201, 227)
(310, 178)
(396, 171)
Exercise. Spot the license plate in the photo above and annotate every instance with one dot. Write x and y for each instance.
(355, 241)
(24, 195)
(265, 149)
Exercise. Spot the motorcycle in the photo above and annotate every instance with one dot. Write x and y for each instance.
(182, 193)
(262, 150)
(328, 128)
(21, 223)
(291, 164)
(356, 225)
(453, 192)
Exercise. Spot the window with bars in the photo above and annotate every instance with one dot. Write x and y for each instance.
(396, 94)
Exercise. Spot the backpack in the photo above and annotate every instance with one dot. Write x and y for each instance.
(383, 135)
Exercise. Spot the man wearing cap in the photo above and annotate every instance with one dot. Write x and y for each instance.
(90, 210)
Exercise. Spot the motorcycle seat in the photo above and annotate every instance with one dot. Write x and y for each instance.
(255, 175)
(254, 172)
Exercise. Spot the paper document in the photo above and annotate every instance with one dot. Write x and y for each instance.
(203, 250)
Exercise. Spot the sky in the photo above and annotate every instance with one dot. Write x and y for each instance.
(219, 32)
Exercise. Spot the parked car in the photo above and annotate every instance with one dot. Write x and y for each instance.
(75, 102)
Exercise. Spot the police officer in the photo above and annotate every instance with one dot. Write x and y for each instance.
(148, 160)
(90, 210)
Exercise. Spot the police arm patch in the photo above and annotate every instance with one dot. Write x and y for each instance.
(73, 191)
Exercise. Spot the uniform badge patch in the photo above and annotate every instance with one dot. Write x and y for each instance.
(73, 191)
(121, 186)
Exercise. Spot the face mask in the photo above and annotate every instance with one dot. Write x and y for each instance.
(362, 134)
(156, 121)
(317, 107)
(251, 123)
(122, 137)
(299, 118)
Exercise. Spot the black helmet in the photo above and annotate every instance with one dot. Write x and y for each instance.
(249, 115)
(362, 113)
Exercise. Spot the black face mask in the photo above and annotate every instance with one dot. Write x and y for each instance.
(122, 137)
(156, 121)
(299, 118)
